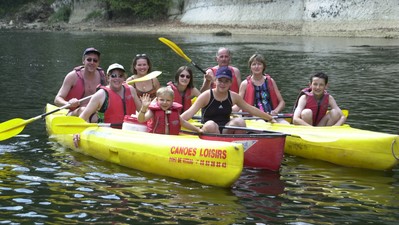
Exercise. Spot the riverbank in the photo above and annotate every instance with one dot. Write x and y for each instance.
(175, 27)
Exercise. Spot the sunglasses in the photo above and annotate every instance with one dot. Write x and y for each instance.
(141, 55)
(91, 59)
(185, 76)
(114, 75)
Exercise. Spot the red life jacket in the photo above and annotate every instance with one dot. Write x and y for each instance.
(249, 96)
(157, 123)
(319, 108)
(184, 100)
(235, 86)
(117, 107)
(78, 89)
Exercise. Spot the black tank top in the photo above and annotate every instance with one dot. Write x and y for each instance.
(217, 111)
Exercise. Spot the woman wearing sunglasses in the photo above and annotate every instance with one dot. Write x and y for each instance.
(141, 66)
(183, 87)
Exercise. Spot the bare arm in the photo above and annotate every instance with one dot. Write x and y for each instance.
(202, 100)
(144, 113)
(69, 81)
(243, 89)
(157, 85)
(208, 79)
(136, 98)
(184, 123)
(94, 105)
(281, 103)
(297, 120)
(237, 73)
(334, 106)
(195, 93)
(238, 100)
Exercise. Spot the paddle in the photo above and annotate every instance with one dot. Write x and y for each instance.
(180, 52)
(15, 126)
(306, 137)
(73, 125)
(284, 115)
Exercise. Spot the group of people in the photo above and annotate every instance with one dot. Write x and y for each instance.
(167, 108)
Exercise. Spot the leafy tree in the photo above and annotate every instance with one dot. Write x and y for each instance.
(139, 9)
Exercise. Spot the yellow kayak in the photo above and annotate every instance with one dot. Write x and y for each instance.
(341, 145)
(179, 156)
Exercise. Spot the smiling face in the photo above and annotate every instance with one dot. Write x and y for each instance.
(184, 78)
(116, 78)
(91, 62)
(318, 86)
(142, 66)
(165, 101)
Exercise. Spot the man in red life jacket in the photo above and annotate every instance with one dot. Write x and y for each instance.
(313, 103)
(223, 58)
(82, 81)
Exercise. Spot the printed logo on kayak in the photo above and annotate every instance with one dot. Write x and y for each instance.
(247, 144)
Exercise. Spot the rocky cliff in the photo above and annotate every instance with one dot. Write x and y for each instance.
(299, 17)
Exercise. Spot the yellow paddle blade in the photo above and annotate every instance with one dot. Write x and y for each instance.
(11, 128)
(69, 125)
(149, 76)
(175, 48)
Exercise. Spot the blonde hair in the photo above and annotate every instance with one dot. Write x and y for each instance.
(166, 91)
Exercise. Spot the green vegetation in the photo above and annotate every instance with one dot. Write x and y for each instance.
(62, 15)
(122, 10)
(10, 7)
(94, 15)
(138, 9)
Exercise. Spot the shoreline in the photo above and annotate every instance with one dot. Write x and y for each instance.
(174, 27)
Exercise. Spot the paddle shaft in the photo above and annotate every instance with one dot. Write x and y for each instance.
(180, 52)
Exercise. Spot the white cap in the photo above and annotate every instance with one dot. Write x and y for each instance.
(115, 66)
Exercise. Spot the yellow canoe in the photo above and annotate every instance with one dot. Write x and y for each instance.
(341, 145)
(179, 156)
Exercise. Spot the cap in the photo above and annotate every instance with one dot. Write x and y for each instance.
(91, 50)
(115, 66)
(224, 71)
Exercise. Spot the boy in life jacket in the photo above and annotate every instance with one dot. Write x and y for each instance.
(313, 103)
(162, 115)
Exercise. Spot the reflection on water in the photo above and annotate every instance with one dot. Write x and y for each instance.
(44, 183)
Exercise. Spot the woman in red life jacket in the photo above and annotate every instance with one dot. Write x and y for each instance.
(260, 90)
(162, 115)
(313, 103)
(183, 87)
(141, 66)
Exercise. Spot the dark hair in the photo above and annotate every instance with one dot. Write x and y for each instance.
(188, 69)
(319, 75)
(141, 56)
(259, 58)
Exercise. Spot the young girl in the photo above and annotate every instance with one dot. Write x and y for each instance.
(162, 115)
(183, 87)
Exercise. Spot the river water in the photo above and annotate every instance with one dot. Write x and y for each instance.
(43, 183)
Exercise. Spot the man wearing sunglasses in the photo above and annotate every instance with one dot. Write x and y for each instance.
(82, 81)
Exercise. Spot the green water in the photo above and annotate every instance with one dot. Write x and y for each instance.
(43, 183)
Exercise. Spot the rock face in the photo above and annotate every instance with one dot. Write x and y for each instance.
(298, 16)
